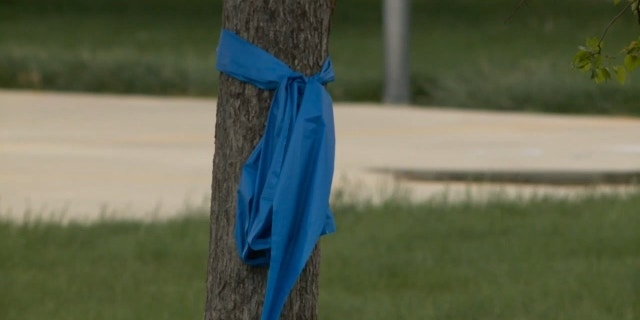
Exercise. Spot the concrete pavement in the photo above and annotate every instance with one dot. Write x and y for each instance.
(87, 155)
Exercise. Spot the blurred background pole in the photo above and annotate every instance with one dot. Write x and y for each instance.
(395, 16)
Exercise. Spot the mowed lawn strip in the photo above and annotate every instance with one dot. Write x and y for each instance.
(463, 54)
(504, 259)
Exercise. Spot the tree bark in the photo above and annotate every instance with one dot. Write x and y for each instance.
(297, 33)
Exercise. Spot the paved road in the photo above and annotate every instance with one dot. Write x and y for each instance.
(87, 155)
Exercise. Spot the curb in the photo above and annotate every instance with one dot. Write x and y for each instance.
(537, 177)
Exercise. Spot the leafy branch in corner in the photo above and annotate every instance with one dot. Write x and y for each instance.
(589, 57)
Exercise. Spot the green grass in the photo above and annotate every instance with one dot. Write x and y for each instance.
(462, 53)
(112, 270)
(156, 52)
(538, 259)
(544, 259)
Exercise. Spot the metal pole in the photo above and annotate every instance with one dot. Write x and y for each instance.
(396, 51)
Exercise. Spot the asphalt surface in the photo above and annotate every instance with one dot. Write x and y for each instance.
(81, 157)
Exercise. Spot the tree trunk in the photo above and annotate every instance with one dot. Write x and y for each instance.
(297, 33)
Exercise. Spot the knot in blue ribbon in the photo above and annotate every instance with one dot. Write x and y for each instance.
(285, 184)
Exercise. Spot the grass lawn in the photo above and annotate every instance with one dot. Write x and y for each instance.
(539, 259)
(462, 52)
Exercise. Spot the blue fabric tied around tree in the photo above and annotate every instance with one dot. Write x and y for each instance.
(283, 195)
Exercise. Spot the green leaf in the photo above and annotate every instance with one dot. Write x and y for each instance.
(621, 74)
(593, 43)
(615, 2)
(601, 75)
(597, 60)
(584, 66)
(633, 47)
(631, 61)
(582, 61)
(581, 55)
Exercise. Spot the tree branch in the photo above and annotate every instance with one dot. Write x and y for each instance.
(606, 30)
(520, 4)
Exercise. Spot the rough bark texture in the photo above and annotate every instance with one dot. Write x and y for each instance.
(296, 32)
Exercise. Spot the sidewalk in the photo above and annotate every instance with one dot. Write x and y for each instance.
(143, 156)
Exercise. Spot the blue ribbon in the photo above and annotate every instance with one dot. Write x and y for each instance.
(283, 196)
